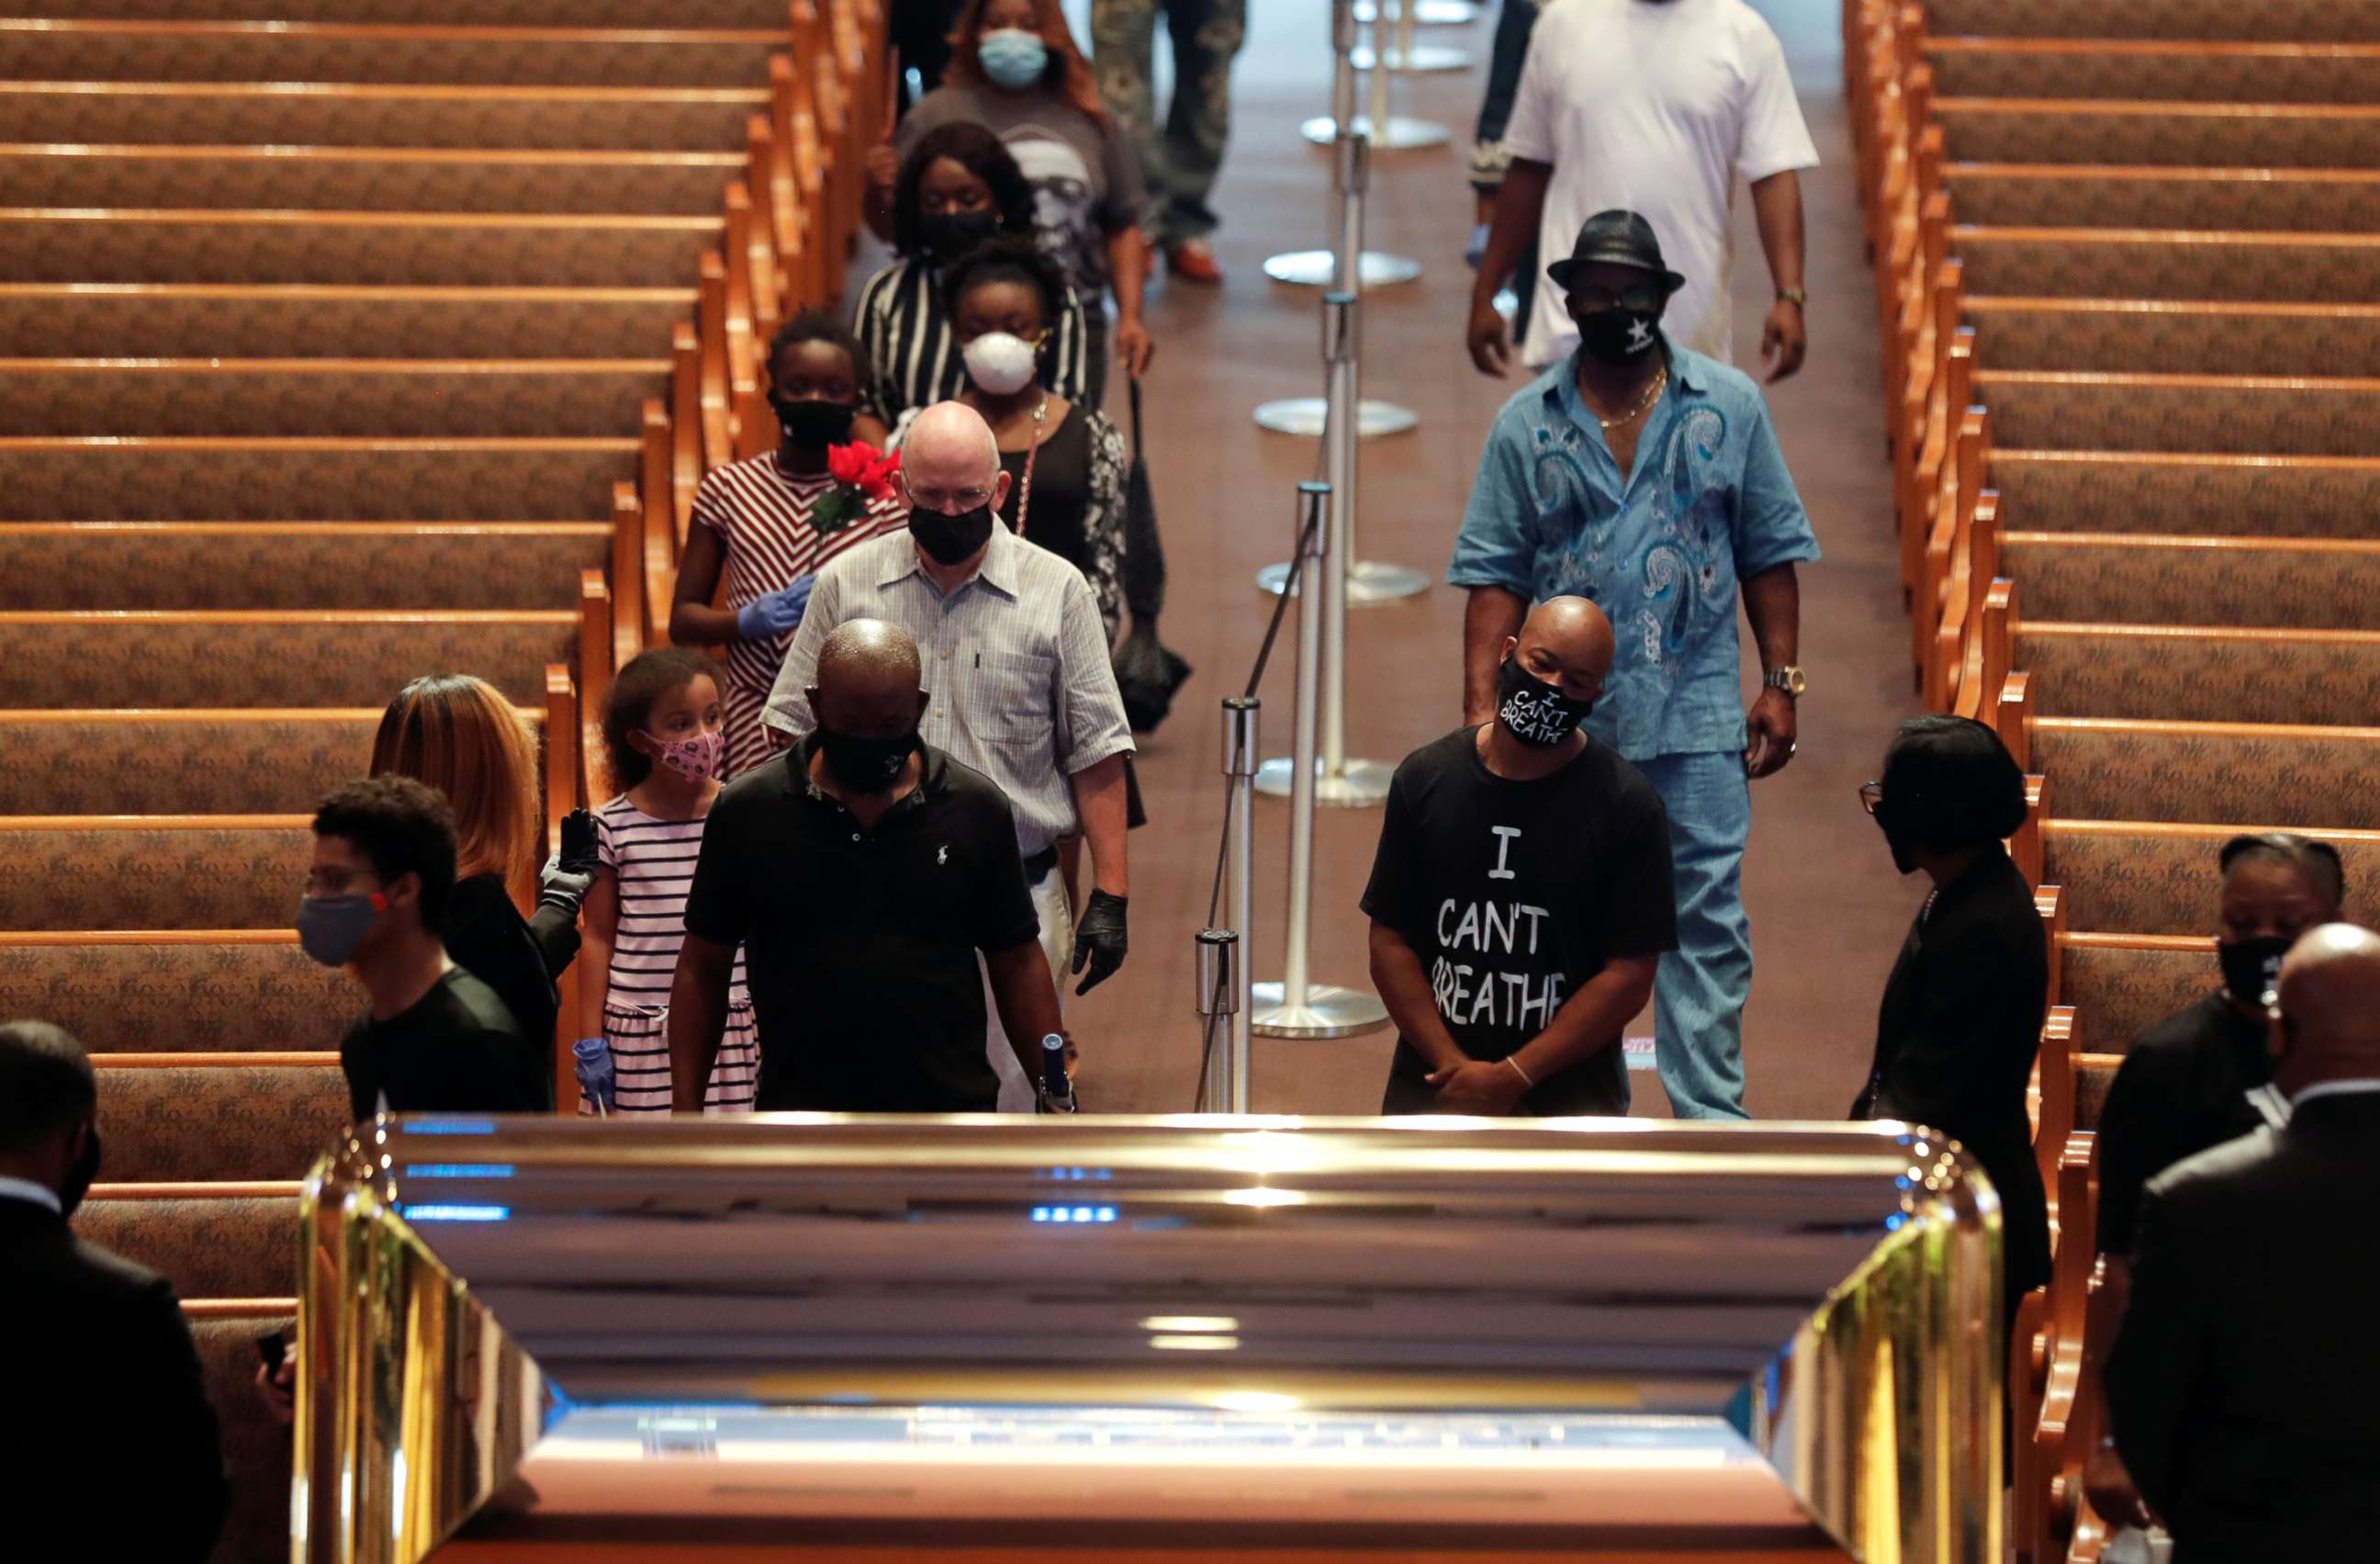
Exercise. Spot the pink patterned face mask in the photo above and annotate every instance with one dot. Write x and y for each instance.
(697, 759)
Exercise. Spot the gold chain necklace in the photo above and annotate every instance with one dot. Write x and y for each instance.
(1650, 397)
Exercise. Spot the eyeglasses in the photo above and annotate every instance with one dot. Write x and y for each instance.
(947, 501)
(1646, 296)
(334, 882)
(1871, 794)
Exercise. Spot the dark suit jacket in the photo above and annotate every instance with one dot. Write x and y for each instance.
(2243, 1380)
(108, 1446)
(1955, 1041)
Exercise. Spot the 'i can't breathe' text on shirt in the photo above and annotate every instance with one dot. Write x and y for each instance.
(1514, 894)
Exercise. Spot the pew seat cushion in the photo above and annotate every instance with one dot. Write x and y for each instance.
(208, 1246)
(164, 1123)
(224, 993)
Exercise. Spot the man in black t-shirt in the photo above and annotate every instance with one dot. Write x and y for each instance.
(863, 871)
(1521, 896)
(435, 1039)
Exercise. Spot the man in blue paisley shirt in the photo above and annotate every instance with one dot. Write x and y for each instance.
(1647, 478)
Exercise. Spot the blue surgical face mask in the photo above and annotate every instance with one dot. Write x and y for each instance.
(1012, 57)
(330, 928)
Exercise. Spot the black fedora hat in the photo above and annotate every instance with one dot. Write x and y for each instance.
(1615, 238)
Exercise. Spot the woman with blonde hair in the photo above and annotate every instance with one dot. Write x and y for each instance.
(460, 735)
(1015, 70)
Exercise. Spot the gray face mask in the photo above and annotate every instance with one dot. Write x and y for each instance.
(330, 928)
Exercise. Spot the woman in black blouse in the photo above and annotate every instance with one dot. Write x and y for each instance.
(1960, 1022)
(460, 735)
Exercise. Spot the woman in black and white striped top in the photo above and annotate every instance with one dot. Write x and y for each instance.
(665, 729)
(959, 187)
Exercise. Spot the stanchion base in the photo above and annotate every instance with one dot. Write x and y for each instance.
(1424, 57)
(1359, 784)
(1427, 13)
(1402, 134)
(1329, 1011)
(1369, 584)
(1320, 268)
(1306, 416)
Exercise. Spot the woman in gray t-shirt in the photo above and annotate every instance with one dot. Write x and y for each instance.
(1016, 71)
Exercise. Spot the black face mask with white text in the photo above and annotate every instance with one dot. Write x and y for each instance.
(1533, 711)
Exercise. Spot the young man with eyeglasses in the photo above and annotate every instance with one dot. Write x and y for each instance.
(1015, 660)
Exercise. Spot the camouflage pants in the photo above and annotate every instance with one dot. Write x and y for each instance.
(1180, 162)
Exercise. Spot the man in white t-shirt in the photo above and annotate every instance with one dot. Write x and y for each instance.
(1654, 106)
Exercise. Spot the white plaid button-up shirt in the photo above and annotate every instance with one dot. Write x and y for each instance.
(1016, 659)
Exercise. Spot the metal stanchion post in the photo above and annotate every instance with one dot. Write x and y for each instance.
(1395, 132)
(1223, 1084)
(1297, 1007)
(1321, 268)
(1428, 13)
(1407, 56)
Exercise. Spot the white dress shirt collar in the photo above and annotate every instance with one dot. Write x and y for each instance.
(25, 1189)
(2336, 1089)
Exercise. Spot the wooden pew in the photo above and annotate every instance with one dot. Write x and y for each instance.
(2158, 336)
(272, 51)
(2237, 494)
(2087, 195)
(2127, 984)
(350, 249)
(2191, 673)
(2115, 263)
(155, 991)
(151, 872)
(312, 479)
(2149, 877)
(404, 115)
(214, 320)
(2157, 70)
(338, 179)
(2295, 776)
(406, 398)
(209, 660)
(2187, 135)
(2161, 578)
(2306, 21)
(2300, 414)
(195, 1117)
(255, 1448)
(210, 1240)
(437, 13)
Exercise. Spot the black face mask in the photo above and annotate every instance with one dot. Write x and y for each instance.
(813, 426)
(79, 1177)
(2251, 967)
(866, 765)
(1533, 711)
(949, 234)
(950, 540)
(1619, 335)
(1902, 859)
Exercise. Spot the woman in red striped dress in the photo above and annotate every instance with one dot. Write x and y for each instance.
(770, 521)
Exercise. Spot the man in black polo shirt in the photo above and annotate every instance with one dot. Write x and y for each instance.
(862, 871)
(1521, 896)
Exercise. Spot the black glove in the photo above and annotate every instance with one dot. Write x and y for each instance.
(1099, 939)
(570, 874)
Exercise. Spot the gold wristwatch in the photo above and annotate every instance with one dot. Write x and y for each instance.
(1798, 298)
(1789, 680)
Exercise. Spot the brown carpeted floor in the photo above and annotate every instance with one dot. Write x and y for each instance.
(1828, 910)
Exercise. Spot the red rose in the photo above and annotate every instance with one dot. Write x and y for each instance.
(848, 464)
(877, 482)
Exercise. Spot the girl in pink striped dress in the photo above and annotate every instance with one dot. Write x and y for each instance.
(772, 521)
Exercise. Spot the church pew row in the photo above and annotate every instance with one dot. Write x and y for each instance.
(2160, 578)
(2170, 336)
(2091, 195)
(2308, 21)
(2195, 672)
(319, 113)
(255, 1448)
(153, 872)
(352, 249)
(305, 479)
(40, 49)
(2167, 70)
(368, 178)
(2175, 134)
(435, 13)
(2089, 263)
(135, 761)
(2221, 773)
(2217, 414)
(2126, 983)
(211, 660)
(204, 1118)
(203, 991)
(2209, 494)
(2147, 878)
(208, 1240)
(406, 398)
(242, 321)
(275, 565)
